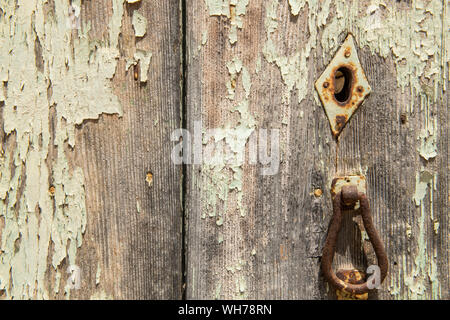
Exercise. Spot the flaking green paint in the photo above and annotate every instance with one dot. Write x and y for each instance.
(139, 24)
(225, 175)
(424, 273)
(233, 10)
(78, 71)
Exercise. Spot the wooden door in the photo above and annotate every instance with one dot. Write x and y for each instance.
(93, 204)
(261, 236)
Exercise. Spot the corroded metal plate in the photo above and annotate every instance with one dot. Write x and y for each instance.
(343, 86)
(355, 180)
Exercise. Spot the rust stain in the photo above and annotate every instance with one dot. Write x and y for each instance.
(136, 71)
(343, 86)
(403, 118)
(149, 179)
(353, 79)
(352, 277)
(340, 121)
(349, 194)
(318, 193)
(232, 12)
(347, 52)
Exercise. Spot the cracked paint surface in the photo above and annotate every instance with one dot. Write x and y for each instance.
(223, 173)
(416, 37)
(233, 10)
(72, 78)
(425, 271)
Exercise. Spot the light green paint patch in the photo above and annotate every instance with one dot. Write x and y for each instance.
(79, 72)
(218, 291)
(246, 81)
(225, 149)
(423, 180)
(296, 6)
(217, 7)
(416, 38)
(424, 274)
(98, 274)
(428, 144)
(232, 9)
(204, 37)
(234, 68)
(57, 282)
(138, 206)
(230, 269)
(144, 57)
(427, 137)
(271, 20)
(101, 295)
(436, 227)
(242, 285)
(240, 7)
(139, 24)
(258, 65)
(294, 69)
(408, 230)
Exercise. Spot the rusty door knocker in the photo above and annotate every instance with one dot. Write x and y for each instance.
(348, 196)
(342, 88)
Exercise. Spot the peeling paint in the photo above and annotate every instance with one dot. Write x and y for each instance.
(296, 6)
(138, 206)
(424, 273)
(139, 24)
(294, 69)
(428, 147)
(79, 74)
(427, 137)
(234, 68)
(416, 38)
(233, 10)
(101, 295)
(223, 174)
(98, 274)
(423, 180)
(218, 291)
(204, 37)
(144, 57)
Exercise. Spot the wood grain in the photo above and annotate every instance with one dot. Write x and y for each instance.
(134, 230)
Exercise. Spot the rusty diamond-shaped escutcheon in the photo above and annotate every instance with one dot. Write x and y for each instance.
(343, 86)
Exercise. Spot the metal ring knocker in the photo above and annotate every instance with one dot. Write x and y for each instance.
(347, 196)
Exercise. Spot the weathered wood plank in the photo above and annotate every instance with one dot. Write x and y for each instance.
(134, 189)
(86, 144)
(270, 244)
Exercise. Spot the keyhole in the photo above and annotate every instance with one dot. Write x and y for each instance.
(342, 84)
